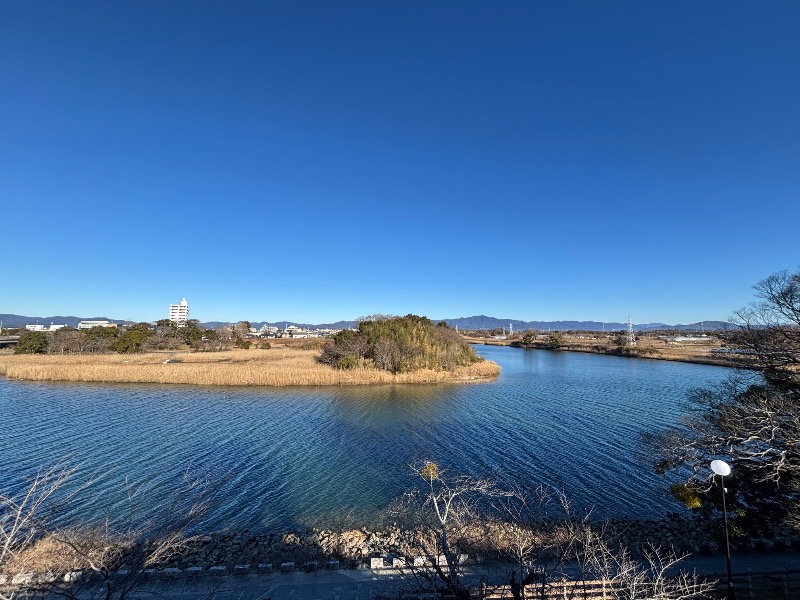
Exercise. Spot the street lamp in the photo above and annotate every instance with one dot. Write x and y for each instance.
(723, 469)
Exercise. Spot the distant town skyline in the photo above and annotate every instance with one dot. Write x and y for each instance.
(179, 313)
(325, 161)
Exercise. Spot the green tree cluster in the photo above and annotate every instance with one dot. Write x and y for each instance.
(398, 345)
(168, 336)
(68, 341)
(31, 342)
(134, 339)
(165, 335)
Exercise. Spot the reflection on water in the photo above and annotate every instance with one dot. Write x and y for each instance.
(308, 455)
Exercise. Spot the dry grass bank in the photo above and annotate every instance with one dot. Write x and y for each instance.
(274, 367)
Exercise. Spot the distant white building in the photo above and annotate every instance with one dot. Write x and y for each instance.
(38, 327)
(90, 324)
(179, 313)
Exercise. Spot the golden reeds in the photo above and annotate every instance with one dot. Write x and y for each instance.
(274, 367)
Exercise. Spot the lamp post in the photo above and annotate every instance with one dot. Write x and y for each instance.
(723, 469)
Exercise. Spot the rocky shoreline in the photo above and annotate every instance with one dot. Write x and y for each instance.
(247, 552)
(356, 548)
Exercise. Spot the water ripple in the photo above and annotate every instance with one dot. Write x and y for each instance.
(280, 458)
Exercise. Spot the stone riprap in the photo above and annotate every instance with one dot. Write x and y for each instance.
(262, 553)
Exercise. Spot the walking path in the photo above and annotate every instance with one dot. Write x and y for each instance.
(320, 585)
(364, 584)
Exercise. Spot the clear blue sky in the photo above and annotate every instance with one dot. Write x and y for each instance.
(315, 161)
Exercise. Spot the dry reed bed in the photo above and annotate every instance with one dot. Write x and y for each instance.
(274, 367)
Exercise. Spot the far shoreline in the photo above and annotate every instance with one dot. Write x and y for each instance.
(698, 356)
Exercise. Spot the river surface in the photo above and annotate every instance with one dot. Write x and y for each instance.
(280, 458)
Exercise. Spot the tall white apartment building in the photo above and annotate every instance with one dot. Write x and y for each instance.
(179, 313)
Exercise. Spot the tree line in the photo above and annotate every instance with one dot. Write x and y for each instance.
(139, 337)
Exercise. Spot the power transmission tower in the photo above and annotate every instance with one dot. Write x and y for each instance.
(631, 337)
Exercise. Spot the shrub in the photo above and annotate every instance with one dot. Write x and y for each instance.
(399, 345)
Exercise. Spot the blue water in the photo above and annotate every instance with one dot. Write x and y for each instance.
(304, 456)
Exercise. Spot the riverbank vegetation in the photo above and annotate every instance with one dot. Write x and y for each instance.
(751, 421)
(711, 348)
(399, 345)
(277, 366)
(442, 522)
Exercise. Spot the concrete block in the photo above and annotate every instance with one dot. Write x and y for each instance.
(217, 570)
(241, 569)
(72, 576)
(332, 565)
(264, 567)
(194, 571)
(399, 562)
(172, 572)
(311, 566)
(376, 562)
(287, 567)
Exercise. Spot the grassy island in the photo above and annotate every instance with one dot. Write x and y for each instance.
(278, 366)
(382, 350)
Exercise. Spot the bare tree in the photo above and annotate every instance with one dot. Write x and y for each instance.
(106, 559)
(552, 549)
(23, 517)
(386, 354)
(347, 349)
(751, 421)
(770, 327)
(544, 537)
(558, 551)
(64, 341)
(241, 329)
(114, 557)
(376, 317)
(655, 578)
(442, 514)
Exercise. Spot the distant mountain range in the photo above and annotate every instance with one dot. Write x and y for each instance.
(463, 323)
(484, 322)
